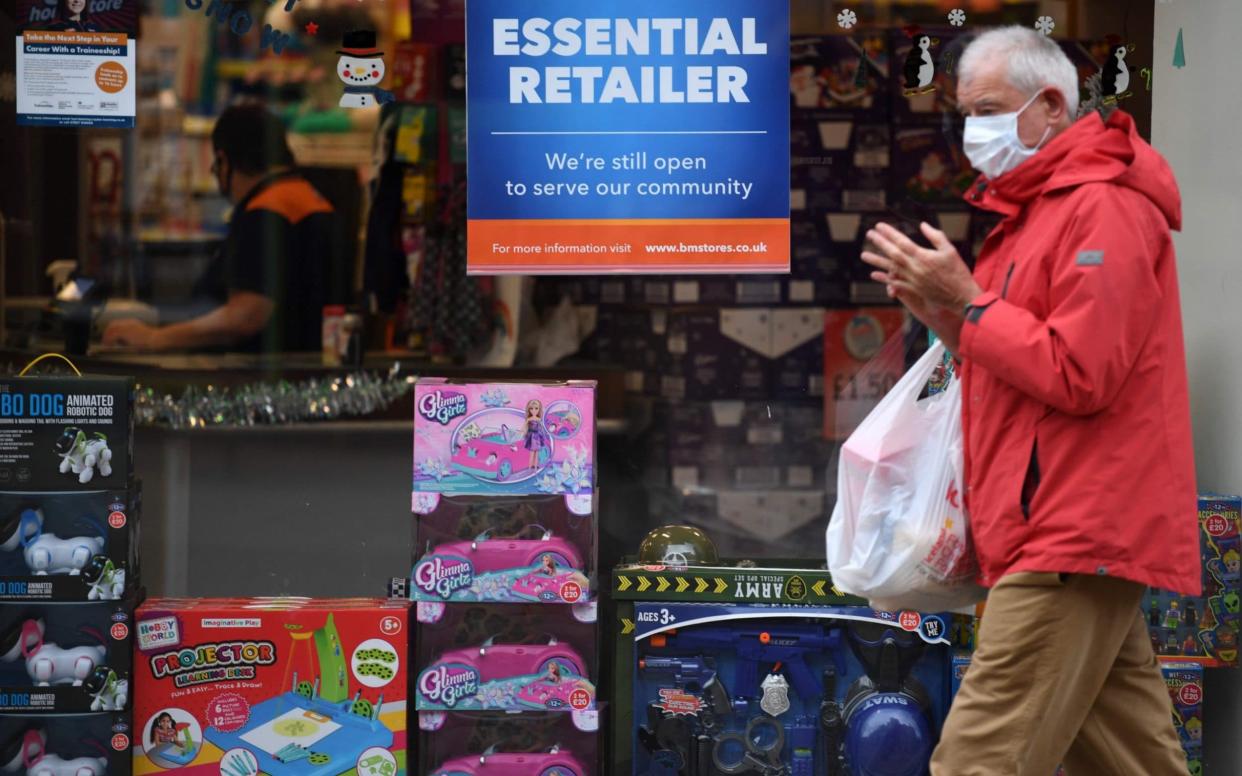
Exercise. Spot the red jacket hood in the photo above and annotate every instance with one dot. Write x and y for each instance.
(1090, 151)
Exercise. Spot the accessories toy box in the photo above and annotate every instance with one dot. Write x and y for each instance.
(66, 744)
(509, 439)
(1205, 629)
(66, 657)
(509, 657)
(1185, 683)
(728, 670)
(306, 687)
(69, 546)
(66, 433)
(521, 550)
(498, 744)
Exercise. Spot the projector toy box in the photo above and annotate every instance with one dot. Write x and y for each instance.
(69, 546)
(312, 687)
(66, 658)
(66, 433)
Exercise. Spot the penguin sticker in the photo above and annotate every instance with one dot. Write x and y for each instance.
(1115, 79)
(920, 68)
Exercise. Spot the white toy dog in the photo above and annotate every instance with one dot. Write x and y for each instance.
(47, 553)
(108, 691)
(48, 664)
(34, 760)
(82, 454)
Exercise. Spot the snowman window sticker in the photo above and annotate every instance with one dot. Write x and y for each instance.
(361, 68)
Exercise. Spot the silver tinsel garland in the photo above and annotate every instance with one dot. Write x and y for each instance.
(266, 403)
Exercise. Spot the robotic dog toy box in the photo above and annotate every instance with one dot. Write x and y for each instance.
(510, 439)
(522, 550)
(480, 657)
(746, 670)
(1205, 629)
(284, 686)
(66, 433)
(69, 546)
(65, 657)
(504, 744)
(1185, 683)
(66, 744)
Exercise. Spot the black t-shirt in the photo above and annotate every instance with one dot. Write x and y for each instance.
(284, 241)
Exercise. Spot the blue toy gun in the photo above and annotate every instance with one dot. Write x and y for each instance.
(785, 645)
(754, 646)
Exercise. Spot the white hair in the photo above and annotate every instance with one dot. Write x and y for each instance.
(1034, 62)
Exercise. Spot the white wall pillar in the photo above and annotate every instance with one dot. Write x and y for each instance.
(1196, 120)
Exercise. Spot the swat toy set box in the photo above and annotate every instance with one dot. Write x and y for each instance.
(730, 670)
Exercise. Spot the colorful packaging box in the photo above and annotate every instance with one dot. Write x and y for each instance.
(303, 686)
(533, 550)
(505, 657)
(66, 658)
(66, 433)
(69, 546)
(510, 439)
(1185, 683)
(1205, 629)
(71, 744)
(717, 664)
(929, 167)
(538, 743)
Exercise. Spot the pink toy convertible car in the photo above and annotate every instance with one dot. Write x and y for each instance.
(550, 553)
(496, 455)
(551, 763)
(553, 562)
(546, 676)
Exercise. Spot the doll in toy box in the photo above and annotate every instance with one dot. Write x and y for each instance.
(505, 657)
(69, 546)
(66, 744)
(306, 687)
(65, 658)
(533, 744)
(530, 549)
(511, 439)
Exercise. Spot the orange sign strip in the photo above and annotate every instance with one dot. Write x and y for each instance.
(90, 38)
(557, 247)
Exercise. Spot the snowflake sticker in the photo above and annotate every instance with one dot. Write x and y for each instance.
(1045, 25)
(957, 17)
(847, 19)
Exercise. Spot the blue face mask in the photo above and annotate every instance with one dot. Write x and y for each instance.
(992, 144)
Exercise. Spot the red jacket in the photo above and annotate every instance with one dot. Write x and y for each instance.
(1075, 406)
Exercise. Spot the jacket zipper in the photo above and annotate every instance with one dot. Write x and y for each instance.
(1008, 277)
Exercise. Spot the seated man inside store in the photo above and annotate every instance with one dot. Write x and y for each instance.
(268, 284)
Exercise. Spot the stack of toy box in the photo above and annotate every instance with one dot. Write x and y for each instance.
(312, 687)
(1204, 629)
(69, 516)
(727, 669)
(505, 550)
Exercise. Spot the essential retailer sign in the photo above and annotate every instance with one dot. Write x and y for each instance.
(646, 137)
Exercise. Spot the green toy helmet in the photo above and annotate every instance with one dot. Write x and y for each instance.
(678, 545)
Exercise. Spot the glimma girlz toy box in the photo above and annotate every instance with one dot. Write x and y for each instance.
(511, 439)
(284, 686)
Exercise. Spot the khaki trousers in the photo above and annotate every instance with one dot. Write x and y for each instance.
(1064, 673)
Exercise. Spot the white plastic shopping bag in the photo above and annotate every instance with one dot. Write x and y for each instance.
(899, 534)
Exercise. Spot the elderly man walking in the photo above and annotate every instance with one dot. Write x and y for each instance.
(1079, 467)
